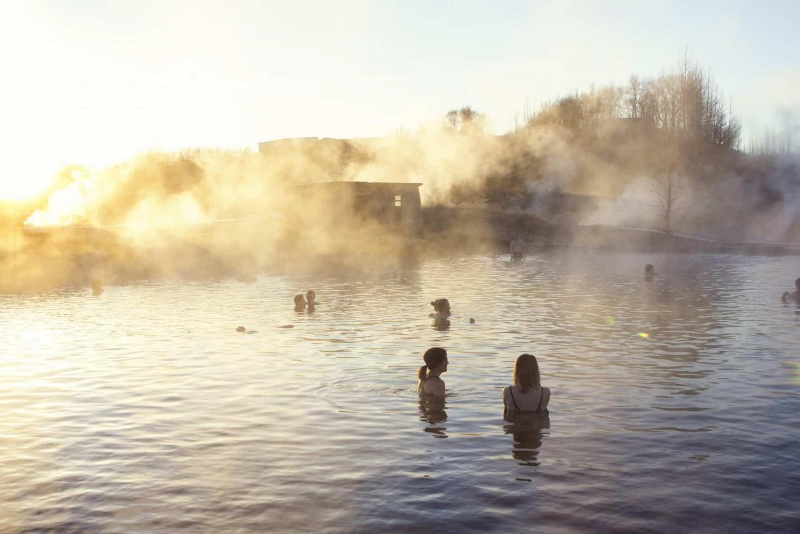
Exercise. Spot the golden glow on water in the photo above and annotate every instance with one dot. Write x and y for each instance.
(144, 410)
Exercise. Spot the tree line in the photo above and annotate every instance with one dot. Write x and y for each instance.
(684, 102)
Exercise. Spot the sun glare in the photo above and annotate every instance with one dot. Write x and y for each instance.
(22, 182)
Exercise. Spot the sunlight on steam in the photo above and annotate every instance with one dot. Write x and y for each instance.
(63, 207)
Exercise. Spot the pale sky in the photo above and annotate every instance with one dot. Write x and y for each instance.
(94, 82)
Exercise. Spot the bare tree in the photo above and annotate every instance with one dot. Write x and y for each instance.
(633, 98)
(465, 121)
(453, 120)
(670, 187)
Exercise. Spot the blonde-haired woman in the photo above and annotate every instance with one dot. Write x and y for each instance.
(527, 393)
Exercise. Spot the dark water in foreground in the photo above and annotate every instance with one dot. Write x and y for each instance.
(144, 411)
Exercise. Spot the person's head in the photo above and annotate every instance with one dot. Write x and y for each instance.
(310, 296)
(441, 306)
(435, 361)
(648, 269)
(299, 302)
(797, 284)
(526, 372)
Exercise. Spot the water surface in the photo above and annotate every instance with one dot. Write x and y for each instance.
(674, 402)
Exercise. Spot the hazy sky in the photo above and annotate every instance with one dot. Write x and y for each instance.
(94, 82)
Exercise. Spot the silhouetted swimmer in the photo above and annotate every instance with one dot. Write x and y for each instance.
(527, 393)
(97, 288)
(430, 381)
(442, 307)
(471, 320)
(441, 319)
(517, 248)
(299, 303)
(311, 299)
(794, 296)
(240, 329)
(649, 272)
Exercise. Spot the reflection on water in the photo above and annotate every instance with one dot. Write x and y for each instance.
(144, 410)
(441, 323)
(432, 411)
(526, 431)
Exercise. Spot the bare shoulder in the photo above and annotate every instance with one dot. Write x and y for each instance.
(435, 386)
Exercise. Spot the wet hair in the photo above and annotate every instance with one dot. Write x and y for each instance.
(648, 268)
(299, 300)
(441, 305)
(526, 372)
(310, 295)
(433, 357)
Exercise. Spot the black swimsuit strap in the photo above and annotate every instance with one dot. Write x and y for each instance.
(516, 408)
(540, 400)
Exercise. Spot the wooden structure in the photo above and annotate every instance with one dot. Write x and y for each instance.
(391, 206)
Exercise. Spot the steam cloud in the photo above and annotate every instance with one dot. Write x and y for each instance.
(214, 212)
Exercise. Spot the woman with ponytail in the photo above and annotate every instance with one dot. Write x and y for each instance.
(430, 381)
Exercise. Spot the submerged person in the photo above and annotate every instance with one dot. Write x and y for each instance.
(430, 381)
(527, 393)
(441, 319)
(649, 272)
(310, 299)
(442, 307)
(97, 287)
(793, 296)
(299, 303)
(517, 247)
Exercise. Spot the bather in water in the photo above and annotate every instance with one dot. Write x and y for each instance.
(430, 381)
(299, 303)
(517, 248)
(649, 272)
(97, 287)
(527, 393)
(311, 300)
(786, 297)
(441, 319)
(442, 307)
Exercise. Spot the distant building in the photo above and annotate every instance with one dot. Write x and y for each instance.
(395, 206)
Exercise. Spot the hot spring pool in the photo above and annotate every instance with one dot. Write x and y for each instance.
(674, 402)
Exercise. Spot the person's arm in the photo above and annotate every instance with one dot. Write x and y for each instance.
(505, 398)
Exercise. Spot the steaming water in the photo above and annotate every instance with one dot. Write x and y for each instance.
(142, 410)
